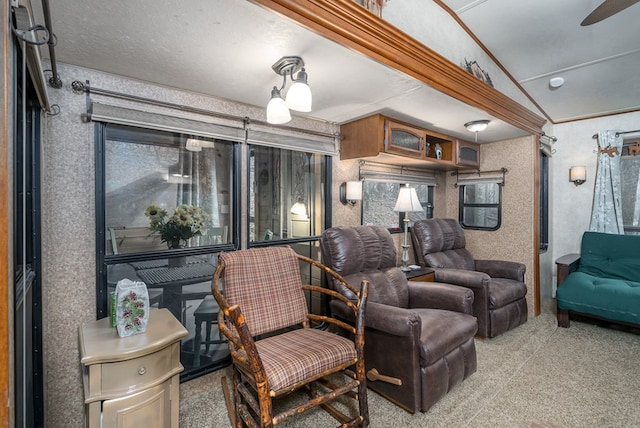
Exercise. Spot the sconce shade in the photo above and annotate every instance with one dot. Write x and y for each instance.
(277, 110)
(408, 200)
(350, 192)
(578, 174)
(477, 125)
(193, 145)
(299, 94)
(299, 209)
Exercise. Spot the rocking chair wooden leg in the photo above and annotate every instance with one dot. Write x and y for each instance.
(228, 401)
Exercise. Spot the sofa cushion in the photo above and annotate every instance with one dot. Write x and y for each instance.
(609, 298)
(610, 256)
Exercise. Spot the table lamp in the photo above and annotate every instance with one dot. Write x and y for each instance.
(407, 202)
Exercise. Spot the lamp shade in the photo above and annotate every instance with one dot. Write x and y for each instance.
(354, 190)
(193, 145)
(277, 110)
(299, 94)
(578, 174)
(408, 200)
(299, 208)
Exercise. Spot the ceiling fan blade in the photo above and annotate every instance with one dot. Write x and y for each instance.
(607, 9)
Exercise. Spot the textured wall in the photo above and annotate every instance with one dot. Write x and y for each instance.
(572, 205)
(68, 224)
(514, 239)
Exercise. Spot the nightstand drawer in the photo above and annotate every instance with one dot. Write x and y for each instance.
(424, 274)
(132, 375)
(430, 277)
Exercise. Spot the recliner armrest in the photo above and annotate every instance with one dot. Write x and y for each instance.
(461, 277)
(434, 295)
(389, 319)
(502, 269)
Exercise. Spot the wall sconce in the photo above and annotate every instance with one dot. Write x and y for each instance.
(578, 174)
(193, 145)
(350, 192)
(477, 126)
(299, 95)
(299, 208)
(407, 202)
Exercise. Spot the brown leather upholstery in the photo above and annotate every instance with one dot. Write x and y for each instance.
(498, 286)
(420, 333)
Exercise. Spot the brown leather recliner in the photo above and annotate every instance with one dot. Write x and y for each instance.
(419, 337)
(499, 290)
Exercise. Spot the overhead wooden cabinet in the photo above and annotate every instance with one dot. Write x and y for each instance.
(387, 140)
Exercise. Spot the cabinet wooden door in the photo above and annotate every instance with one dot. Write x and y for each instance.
(403, 139)
(149, 408)
(467, 153)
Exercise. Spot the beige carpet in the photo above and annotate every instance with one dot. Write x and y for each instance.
(535, 376)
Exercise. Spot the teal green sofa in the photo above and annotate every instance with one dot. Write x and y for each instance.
(603, 281)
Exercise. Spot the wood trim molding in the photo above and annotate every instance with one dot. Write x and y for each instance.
(351, 25)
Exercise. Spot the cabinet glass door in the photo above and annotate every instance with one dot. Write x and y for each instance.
(403, 139)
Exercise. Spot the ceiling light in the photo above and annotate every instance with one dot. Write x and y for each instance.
(476, 125)
(277, 111)
(556, 82)
(299, 95)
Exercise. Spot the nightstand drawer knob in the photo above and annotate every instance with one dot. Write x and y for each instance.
(142, 370)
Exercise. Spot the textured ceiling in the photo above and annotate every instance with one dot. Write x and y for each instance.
(226, 48)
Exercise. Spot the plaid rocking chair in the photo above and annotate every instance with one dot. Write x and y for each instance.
(274, 349)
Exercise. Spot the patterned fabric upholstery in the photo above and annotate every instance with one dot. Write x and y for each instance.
(301, 354)
(273, 272)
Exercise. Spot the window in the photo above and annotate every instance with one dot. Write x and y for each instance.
(145, 168)
(143, 177)
(480, 206)
(146, 173)
(630, 177)
(287, 194)
(287, 207)
(379, 199)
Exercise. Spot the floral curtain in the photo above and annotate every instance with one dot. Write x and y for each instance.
(606, 215)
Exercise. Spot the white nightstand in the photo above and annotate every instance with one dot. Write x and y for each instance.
(132, 381)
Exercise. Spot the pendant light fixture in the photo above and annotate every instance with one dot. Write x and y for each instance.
(299, 95)
(277, 110)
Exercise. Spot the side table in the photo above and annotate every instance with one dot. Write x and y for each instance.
(132, 381)
(423, 274)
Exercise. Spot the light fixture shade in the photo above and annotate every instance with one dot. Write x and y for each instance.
(578, 174)
(299, 94)
(277, 111)
(193, 145)
(408, 201)
(477, 125)
(299, 208)
(354, 190)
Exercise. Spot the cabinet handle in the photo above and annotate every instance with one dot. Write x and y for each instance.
(142, 370)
